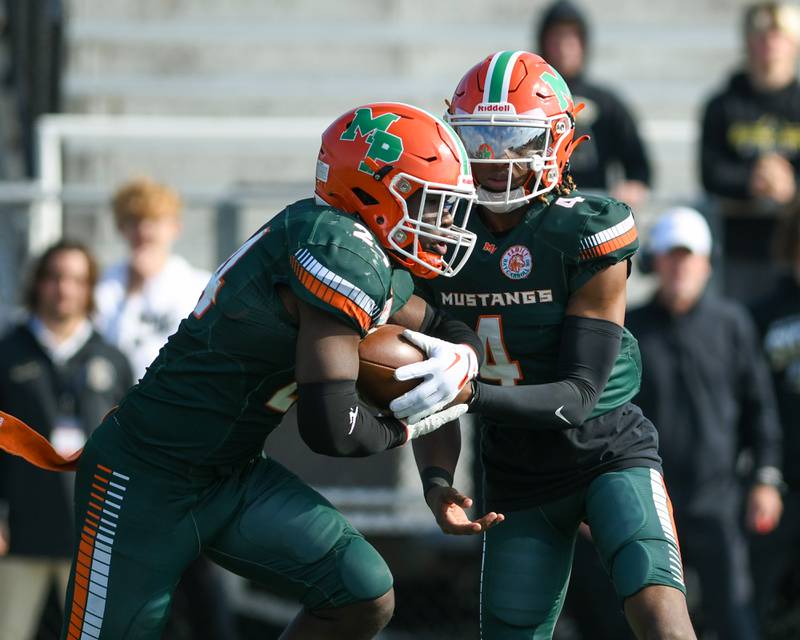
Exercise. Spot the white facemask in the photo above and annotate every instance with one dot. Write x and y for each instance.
(498, 201)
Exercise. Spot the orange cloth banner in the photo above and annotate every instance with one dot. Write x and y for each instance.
(19, 439)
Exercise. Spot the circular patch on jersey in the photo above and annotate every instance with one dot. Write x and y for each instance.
(99, 374)
(517, 262)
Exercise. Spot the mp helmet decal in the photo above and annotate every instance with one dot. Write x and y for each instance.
(383, 146)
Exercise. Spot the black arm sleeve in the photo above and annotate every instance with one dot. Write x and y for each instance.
(332, 421)
(438, 324)
(589, 348)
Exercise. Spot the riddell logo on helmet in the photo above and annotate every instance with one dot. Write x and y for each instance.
(495, 107)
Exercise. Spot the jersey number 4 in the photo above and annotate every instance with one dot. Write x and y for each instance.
(209, 295)
(497, 365)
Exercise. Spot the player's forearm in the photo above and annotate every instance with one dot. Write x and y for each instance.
(556, 405)
(437, 454)
(334, 422)
(589, 349)
(439, 449)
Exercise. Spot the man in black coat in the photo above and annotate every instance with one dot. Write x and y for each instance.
(706, 384)
(57, 374)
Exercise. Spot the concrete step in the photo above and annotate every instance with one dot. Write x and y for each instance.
(601, 12)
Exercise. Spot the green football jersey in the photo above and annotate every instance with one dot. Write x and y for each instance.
(514, 292)
(223, 381)
(515, 288)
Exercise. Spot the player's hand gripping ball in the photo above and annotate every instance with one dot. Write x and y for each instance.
(381, 352)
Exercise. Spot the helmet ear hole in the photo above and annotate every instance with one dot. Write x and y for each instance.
(365, 198)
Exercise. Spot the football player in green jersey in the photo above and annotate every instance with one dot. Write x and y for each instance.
(176, 470)
(561, 442)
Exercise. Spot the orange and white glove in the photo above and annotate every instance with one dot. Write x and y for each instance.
(448, 369)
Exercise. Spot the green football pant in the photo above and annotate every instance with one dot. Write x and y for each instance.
(528, 558)
(139, 526)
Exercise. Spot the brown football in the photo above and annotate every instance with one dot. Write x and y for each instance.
(380, 353)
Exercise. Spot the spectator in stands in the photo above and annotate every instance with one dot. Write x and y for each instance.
(776, 557)
(55, 372)
(706, 384)
(614, 160)
(140, 303)
(750, 149)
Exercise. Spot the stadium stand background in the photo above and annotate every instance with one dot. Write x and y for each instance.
(312, 60)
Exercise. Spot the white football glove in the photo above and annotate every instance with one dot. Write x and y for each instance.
(434, 421)
(447, 370)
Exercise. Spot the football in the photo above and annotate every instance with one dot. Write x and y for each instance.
(381, 352)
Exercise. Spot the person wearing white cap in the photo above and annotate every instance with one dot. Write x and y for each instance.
(680, 249)
(706, 385)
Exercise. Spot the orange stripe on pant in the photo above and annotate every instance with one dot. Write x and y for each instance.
(83, 563)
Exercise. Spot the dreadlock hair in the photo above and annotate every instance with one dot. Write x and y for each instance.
(563, 188)
(567, 184)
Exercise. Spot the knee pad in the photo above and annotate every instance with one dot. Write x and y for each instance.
(523, 585)
(629, 505)
(616, 512)
(363, 572)
(630, 569)
(629, 513)
(646, 562)
(308, 531)
(498, 620)
(151, 618)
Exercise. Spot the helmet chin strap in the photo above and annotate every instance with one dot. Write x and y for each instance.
(497, 202)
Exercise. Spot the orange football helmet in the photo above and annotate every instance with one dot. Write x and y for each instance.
(406, 174)
(514, 109)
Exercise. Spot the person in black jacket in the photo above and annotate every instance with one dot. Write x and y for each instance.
(750, 146)
(776, 557)
(707, 386)
(57, 373)
(614, 160)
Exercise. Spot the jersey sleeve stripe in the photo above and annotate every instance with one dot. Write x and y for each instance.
(608, 240)
(331, 288)
(609, 246)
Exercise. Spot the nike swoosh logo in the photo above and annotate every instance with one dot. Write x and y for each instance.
(561, 415)
(465, 379)
(353, 416)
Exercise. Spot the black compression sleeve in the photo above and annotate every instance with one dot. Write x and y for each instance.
(332, 421)
(439, 325)
(589, 348)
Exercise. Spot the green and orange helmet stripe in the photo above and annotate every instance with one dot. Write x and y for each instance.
(498, 76)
